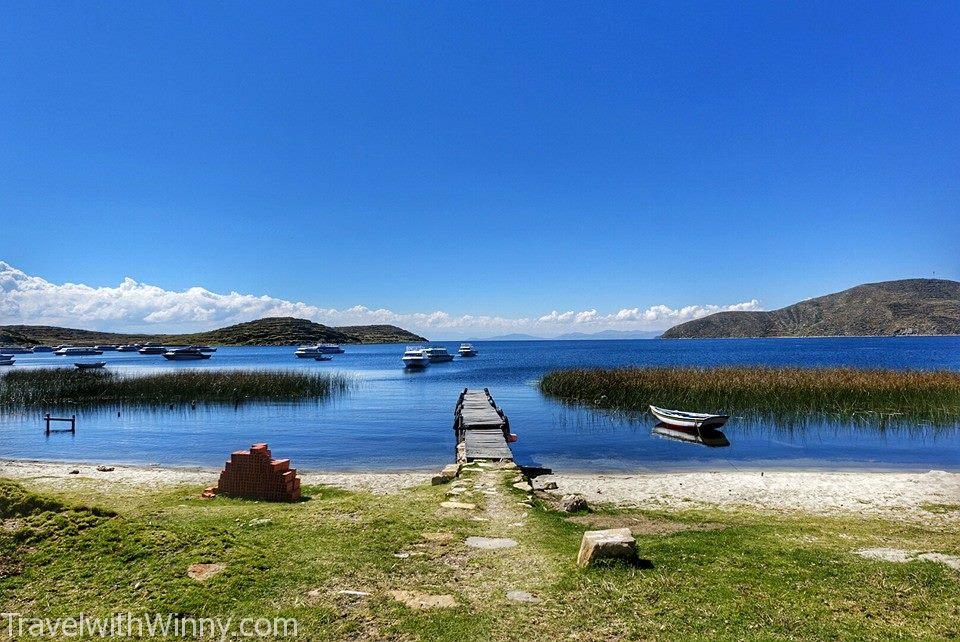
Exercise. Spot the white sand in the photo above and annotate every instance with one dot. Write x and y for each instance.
(864, 493)
(892, 495)
(57, 474)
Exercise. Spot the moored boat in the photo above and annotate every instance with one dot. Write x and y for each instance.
(15, 349)
(308, 352)
(6, 360)
(466, 350)
(415, 357)
(204, 348)
(323, 357)
(77, 351)
(185, 354)
(132, 347)
(152, 349)
(42, 349)
(684, 419)
(89, 365)
(330, 348)
(107, 347)
(438, 354)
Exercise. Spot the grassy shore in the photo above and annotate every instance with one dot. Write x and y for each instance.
(715, 575)
(67, 387)
(930, 396)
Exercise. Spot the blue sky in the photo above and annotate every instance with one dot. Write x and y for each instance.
(495, 159)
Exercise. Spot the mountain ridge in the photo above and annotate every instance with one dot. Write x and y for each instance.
(268, 331)
(913, 307)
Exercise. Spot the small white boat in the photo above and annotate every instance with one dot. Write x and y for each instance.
(438, 354)
(133, 347)
(185, 354)
(79, 351)
(42, 349)
(466, 350)
(89, 365)
(683, 419)
(415, 358)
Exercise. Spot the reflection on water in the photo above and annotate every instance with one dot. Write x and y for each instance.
(703, 436)
(390, 419)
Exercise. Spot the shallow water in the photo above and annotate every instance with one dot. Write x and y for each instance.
(395, 419)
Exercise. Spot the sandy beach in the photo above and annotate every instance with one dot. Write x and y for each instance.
(882, 494)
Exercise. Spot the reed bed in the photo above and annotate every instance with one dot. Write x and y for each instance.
(62, 387)
(922, 395)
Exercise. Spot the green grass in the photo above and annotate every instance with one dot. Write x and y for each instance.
(747, 576)
(68, 387)
(929, 396)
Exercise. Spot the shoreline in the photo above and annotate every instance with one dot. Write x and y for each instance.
(892, 495)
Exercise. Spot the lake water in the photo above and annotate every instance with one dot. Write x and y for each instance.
(395, 419)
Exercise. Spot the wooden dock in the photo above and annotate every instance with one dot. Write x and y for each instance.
(482, 430)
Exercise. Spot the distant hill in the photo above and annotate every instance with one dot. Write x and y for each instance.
(516, 336)
(906, 307)
(610, 334)
(271, 331)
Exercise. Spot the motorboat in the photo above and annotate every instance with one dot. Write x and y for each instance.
(415, 357)
(312, 352)
(62, 346)
(204, 348)
(152, 349)
(89, 365)
(42, 349)
(185, 354)
(6, 360)
(308, 352)
(466, 350)
(78, 351)
(132, 347)
(107, 347)
(15, 349)
(438, 354)
(710, 437)
(684, 419)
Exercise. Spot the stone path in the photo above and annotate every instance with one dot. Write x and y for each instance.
(491, 560)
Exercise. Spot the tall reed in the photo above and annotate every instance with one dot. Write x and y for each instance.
(925, 395)
(62, 387)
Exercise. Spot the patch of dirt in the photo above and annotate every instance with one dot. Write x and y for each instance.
(11, 524)
(640, 525)
(417, 600)
(203, 572)
(10, 566)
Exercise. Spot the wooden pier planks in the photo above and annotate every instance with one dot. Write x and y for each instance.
(481, 427)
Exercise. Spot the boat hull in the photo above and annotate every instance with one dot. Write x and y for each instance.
(681, 419)
(90, 366)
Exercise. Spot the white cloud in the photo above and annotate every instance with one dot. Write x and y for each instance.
(136, 306)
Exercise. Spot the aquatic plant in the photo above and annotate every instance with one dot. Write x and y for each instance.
(67, 387)
(879, 394)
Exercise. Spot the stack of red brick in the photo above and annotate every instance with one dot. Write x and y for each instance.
(254, 474)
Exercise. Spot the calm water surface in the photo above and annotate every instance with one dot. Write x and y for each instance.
(393, 419)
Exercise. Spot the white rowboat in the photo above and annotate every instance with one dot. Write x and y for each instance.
(688, 419)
